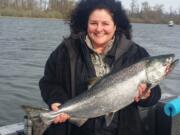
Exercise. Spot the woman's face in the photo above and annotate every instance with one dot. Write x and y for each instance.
(101, 27)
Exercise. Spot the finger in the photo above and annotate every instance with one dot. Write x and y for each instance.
(66, 116)
(143, 87)
(146, 94)
(56, 120)
(137, 98)
(140, 90)
(62, 118)
(59, 119)
(55, 106)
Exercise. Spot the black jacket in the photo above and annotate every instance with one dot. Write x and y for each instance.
(69, 68)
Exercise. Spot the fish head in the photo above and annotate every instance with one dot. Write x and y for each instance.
(158, 67)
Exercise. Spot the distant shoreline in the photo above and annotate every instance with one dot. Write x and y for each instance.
(132, 20)
(25, 17)
(56, 9)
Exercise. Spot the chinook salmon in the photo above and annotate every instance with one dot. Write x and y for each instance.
(114, 91)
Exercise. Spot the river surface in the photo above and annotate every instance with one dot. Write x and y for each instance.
(26, 43)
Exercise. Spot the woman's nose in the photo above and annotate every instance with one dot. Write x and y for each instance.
(99, 27)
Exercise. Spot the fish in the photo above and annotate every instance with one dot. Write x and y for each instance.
(114, 91)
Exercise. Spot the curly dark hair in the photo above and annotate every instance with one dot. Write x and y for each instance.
(80, 15)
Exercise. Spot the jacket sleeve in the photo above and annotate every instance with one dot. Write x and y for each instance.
(52, 84)
(155, 92)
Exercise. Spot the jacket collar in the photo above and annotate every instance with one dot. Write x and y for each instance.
(120, 46)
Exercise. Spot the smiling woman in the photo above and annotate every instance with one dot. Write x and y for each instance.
(99, 44)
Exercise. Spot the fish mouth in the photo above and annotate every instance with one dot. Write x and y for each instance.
(171, 66)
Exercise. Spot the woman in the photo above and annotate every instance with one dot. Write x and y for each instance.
(99, 43)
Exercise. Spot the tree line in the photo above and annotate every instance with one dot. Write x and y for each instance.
(36, 8)
(143, 13)
(152, 14)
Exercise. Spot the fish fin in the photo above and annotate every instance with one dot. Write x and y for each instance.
(33, 115)
(33, 112)
(109, 118)
(77, 121)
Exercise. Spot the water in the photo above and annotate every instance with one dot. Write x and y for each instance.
(26, 44)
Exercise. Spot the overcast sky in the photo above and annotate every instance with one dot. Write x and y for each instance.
(175, 4)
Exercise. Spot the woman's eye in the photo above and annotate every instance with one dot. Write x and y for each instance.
(93, 23)
(105, 24)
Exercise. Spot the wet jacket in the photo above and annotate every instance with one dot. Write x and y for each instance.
(67, 72)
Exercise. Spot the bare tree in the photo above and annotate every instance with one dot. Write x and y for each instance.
(4, 3)
(134, 7)
(145, 7)
(53, 4)
(43, 4)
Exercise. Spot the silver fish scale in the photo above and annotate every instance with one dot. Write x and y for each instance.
(109, 93)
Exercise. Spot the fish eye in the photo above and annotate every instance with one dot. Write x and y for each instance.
(169, 60)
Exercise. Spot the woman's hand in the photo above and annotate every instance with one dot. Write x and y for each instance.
(143, 92)
(60, 118)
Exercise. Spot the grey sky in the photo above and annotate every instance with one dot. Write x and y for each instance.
(175, 4)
